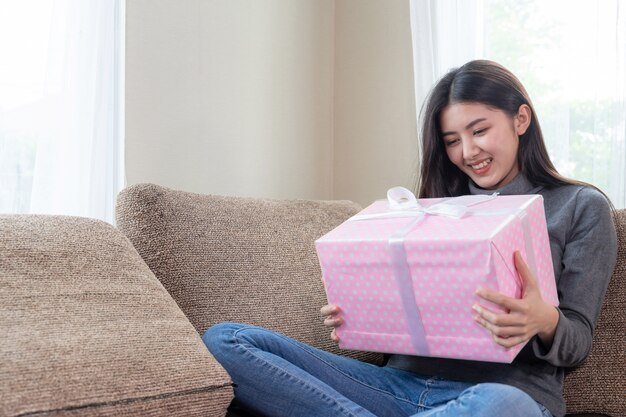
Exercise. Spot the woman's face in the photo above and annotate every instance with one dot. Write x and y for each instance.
(483, 142)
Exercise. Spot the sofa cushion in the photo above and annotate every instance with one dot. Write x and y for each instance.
(237, 259)
(86, 328)
(599, 384)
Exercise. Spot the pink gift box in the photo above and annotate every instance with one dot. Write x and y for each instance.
(406, 283)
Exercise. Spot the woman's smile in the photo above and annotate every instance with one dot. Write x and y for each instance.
(481, 167)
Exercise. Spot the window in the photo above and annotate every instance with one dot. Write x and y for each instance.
(61, 106)
(570, 56)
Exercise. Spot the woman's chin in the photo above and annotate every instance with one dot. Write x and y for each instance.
(486, 183)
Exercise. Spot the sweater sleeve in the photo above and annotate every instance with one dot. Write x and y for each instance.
(588, 261)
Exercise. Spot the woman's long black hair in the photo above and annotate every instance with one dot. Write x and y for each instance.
(488, 83)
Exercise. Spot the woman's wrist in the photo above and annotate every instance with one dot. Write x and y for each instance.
(546, 334)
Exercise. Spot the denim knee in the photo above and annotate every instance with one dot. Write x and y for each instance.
(503, 391)
(502, 395)
(220, 336)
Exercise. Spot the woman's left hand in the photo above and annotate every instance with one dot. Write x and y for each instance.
(523, 318)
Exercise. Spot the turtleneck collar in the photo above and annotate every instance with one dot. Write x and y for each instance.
(519, 185)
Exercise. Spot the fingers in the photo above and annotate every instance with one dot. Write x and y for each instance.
(516, 317)
(507, 329)
(509, 342)
(500, 299)
(507, 336)
(529, 282)
(494, 318)
(333, 321)
(330, 313)
(501, 330)
(520, 264)
(329, 309)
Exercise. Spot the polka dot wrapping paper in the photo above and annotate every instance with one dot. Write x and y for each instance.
(421, 302)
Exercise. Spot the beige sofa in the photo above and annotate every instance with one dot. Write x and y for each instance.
(99, 321)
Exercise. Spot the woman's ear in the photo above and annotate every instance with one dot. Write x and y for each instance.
(522, 119)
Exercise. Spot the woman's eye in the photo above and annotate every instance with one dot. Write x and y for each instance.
(451, 142)
(479, 132)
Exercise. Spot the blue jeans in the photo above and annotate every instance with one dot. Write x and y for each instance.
(278, 376)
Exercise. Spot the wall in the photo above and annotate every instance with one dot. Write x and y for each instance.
(231, 97)
(375, 123)
(272, 98)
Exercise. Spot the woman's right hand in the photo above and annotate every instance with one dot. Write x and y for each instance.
(331, 312)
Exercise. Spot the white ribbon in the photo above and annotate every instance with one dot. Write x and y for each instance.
(402, 203)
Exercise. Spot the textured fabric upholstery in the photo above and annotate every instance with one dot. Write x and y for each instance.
(86, 329)
(599, 385)
(236, 259)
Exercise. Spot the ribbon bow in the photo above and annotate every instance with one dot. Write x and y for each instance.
(402, 203)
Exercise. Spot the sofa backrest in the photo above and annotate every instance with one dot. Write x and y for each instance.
(237, 259)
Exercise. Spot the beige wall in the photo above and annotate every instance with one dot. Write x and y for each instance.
(375, 122)
(270, 98)
(230, 97)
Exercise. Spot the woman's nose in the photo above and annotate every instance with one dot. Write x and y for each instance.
(470, 149)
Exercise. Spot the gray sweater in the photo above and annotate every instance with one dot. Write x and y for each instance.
(584, 248)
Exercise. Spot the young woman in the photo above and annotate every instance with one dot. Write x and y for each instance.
(479, 134)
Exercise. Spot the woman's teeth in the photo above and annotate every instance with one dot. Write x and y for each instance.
(482, 164)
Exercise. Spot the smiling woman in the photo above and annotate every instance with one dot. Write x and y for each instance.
(61, 106)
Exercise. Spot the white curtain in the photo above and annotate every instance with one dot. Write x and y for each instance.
(570, 55)
(61, 106)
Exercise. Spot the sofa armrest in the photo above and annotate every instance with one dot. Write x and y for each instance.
(86, 328)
